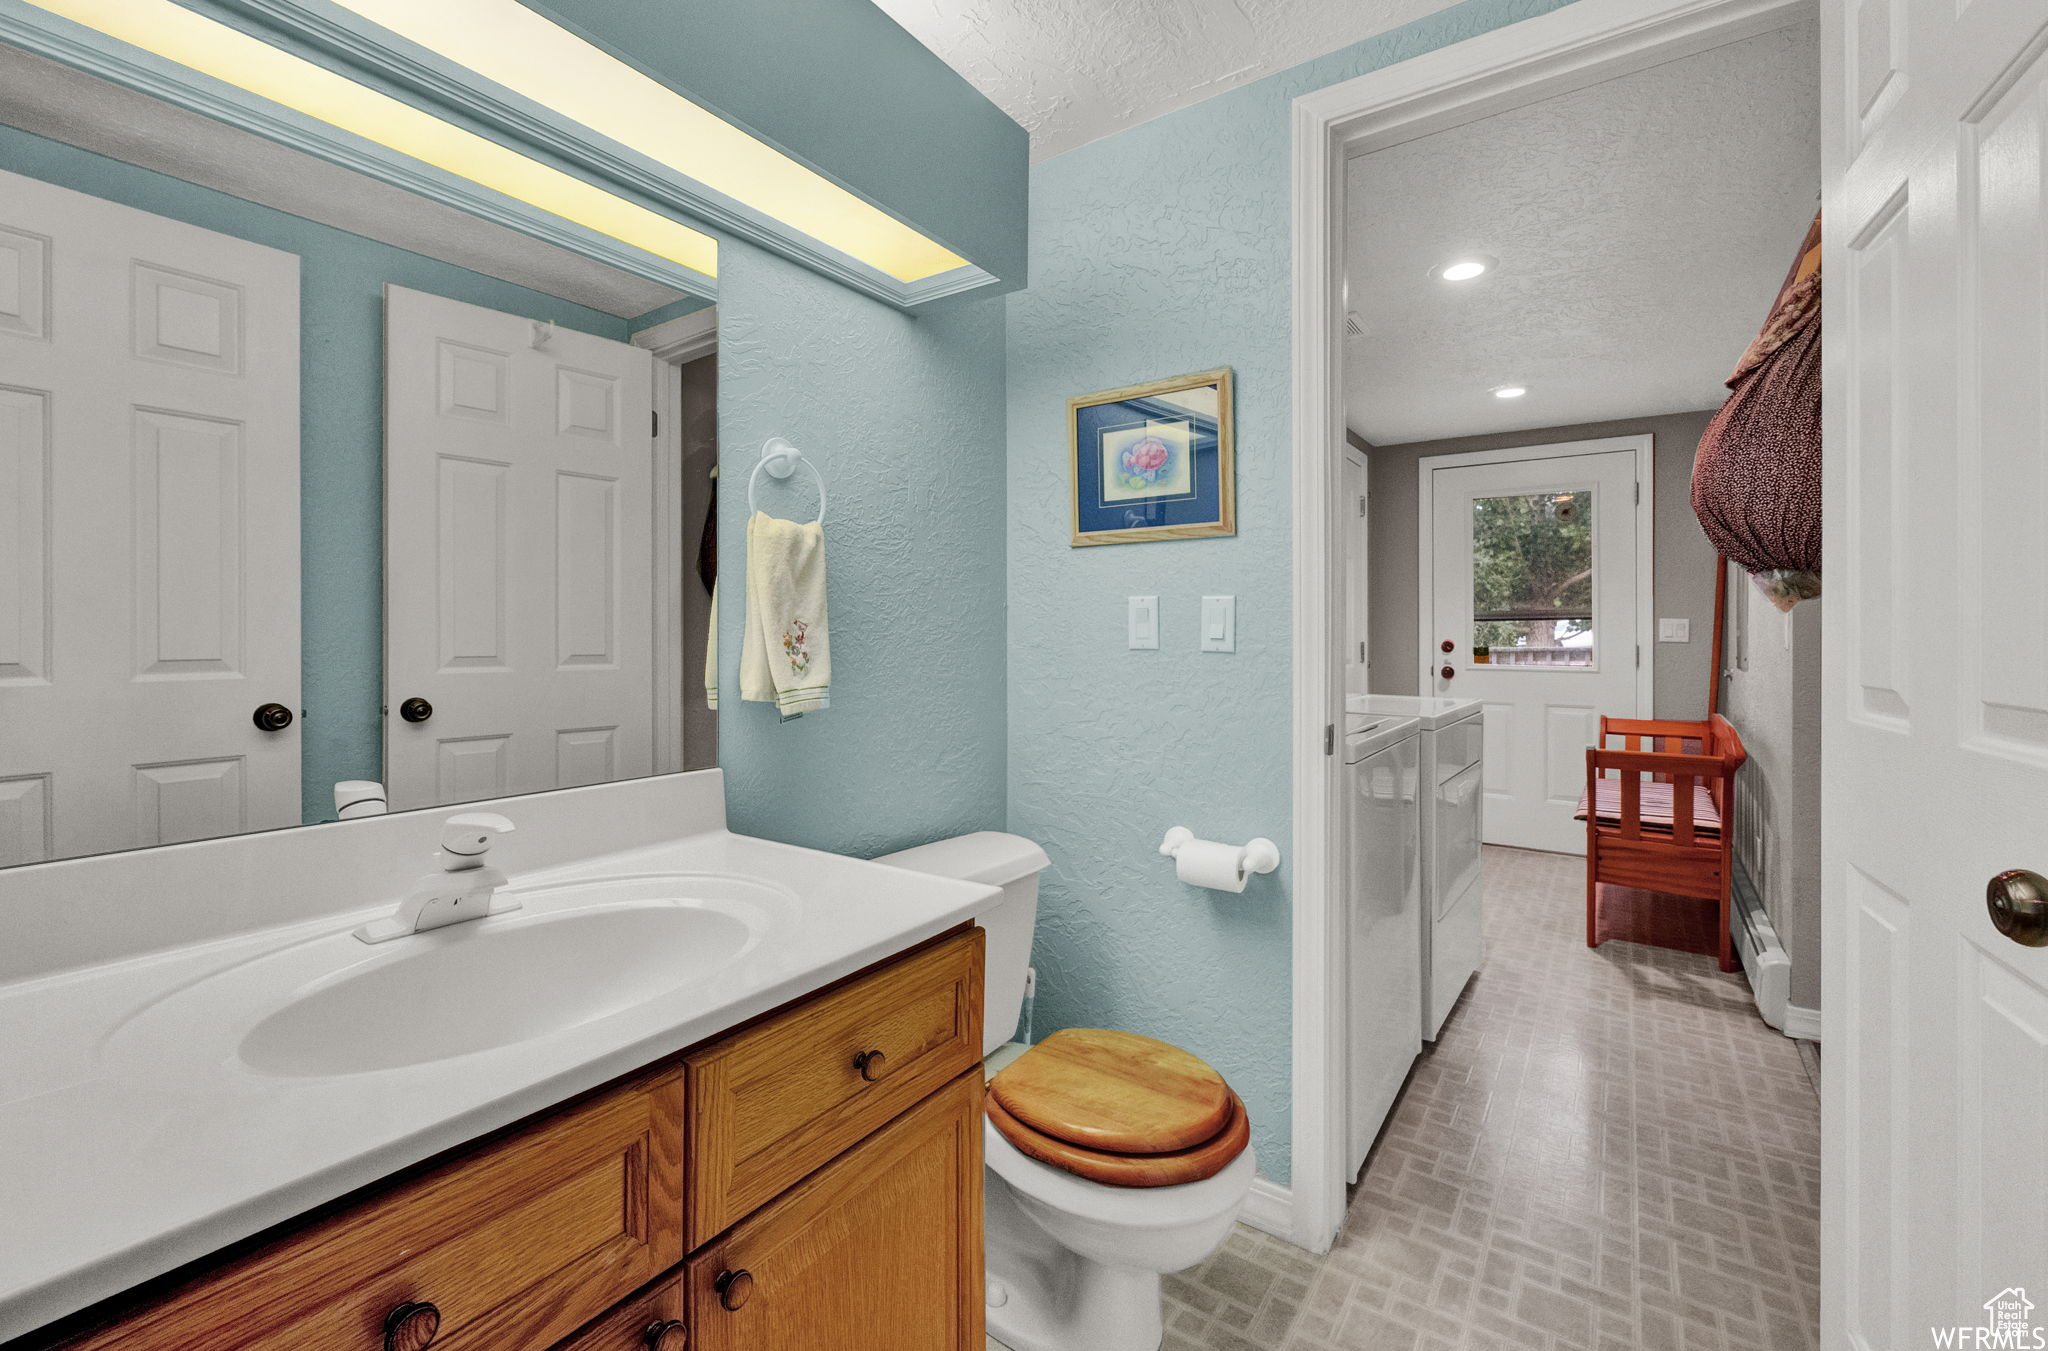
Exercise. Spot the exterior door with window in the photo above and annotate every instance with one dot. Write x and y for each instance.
(1531, 606)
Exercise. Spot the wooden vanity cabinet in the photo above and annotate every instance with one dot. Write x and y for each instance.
(812, 1180)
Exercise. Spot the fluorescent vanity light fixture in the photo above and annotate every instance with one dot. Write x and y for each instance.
(1509, 391)
(1463, 269)
(225, 53)
(504, 41)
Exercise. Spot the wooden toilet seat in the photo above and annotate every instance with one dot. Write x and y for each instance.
(1118, 1108)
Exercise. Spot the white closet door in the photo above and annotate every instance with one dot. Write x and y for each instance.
(1935, 738)
(518, 554)
(149, 527)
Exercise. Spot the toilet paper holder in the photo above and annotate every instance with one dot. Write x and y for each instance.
(1260, 855)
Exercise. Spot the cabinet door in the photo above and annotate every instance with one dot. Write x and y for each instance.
(879, 1250)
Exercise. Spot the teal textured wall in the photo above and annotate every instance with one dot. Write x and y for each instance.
(838, 85)
(341, 449)
(904, 416)
(1157, 251)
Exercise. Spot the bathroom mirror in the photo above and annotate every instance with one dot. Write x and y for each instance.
(317, 490)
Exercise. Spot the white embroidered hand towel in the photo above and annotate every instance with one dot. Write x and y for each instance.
(785, 656)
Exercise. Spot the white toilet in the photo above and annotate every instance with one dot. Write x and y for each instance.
(1074, 1263)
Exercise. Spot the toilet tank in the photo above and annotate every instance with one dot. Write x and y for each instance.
(998, 860)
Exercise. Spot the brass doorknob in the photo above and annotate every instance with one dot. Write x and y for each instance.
(1448, 672)
(411, 1326)
(734, 1288)
(271, 717)
(870, 1064)
(415, 709)
(667, 1335)
(2018, 901)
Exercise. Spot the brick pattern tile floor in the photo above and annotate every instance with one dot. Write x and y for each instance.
(1607, 1150)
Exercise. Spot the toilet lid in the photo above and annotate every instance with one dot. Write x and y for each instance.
(1115, 1092)
(1205, 1160)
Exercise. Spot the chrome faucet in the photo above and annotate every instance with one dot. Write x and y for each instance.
(462, 888)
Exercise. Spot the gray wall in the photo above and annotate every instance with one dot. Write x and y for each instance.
(1683, 559)
(1772, 696)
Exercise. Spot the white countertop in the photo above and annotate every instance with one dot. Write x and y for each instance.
(118, 1163)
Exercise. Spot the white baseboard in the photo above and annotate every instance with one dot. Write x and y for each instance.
(1801, 1023)
(1269, 1208)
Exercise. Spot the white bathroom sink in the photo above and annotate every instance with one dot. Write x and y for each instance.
(571, 954)
(490, 987)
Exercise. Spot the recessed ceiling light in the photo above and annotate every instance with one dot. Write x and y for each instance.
(1509, 391)
(1463, 269)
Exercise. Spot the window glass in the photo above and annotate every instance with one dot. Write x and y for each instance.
(1532, 579)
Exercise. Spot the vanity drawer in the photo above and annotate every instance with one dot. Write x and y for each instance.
(653, 1320)
(775, 1101)
(515, 1245)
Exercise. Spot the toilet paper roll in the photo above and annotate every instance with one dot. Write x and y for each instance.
(1205, 863)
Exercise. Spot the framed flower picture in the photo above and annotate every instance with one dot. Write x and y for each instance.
(1154, 461)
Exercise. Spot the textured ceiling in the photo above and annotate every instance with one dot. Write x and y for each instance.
(1642, 228)
(1072, 71)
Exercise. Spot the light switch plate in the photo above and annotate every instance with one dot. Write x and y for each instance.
(1219, 623)
(1144, 621)
(1674, 630)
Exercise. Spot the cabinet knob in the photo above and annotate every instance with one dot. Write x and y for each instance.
(271, 717)
(1448, 645)
(667, 1335)
(1449, 672)
(871, 1065)
(411, 1326)
(415, 709)
(734, 1289)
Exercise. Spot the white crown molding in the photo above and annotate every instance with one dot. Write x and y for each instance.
(684, 338)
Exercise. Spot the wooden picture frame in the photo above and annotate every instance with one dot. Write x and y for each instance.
(1155, 461)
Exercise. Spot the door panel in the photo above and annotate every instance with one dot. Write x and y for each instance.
(519, 554)
(1536, 558)
(1936, 704)
(149, 527)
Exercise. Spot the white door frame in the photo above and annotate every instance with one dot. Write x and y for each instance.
(675, 343)
(1570, 48)
(1646, 522)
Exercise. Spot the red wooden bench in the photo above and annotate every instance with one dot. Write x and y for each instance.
(1660, 813)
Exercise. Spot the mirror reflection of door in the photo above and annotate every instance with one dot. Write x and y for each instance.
(520, 620)
(1535, 564)
(149, 529)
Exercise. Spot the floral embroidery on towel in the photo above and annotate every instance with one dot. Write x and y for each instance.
(796, 646)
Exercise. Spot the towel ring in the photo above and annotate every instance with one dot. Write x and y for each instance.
(780, 459)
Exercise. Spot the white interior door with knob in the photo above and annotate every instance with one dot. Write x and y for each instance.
(149, 528)
(1935, 731)
(518, 554)
(1535, 572)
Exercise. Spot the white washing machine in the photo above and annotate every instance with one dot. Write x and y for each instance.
(1382, 918)
(1453, 942)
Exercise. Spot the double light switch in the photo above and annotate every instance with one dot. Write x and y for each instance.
(1219, 623)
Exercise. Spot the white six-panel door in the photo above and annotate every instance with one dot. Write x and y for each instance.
(1936, 733)
(1540, 718)
(519, 554)
(149, 527)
